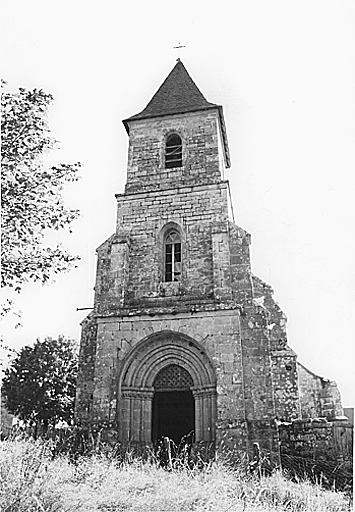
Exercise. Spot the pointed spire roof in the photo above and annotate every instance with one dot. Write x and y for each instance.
(179, 94)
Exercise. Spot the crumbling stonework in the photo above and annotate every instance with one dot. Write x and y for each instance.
(318, 439)
(319, 397)
(318, 449)
(215, 320)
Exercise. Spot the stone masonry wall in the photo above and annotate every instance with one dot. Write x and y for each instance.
(284, 359)
(256, 298)
(86, 370)
(241, 281)
(258, 382)
(319, 397)
(317, 440)
(112, 274)
(146, 160)
(245, 396)
(217, 331)
(195, 210)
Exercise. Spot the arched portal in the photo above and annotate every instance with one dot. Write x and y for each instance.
(178, 362)
(173, 413)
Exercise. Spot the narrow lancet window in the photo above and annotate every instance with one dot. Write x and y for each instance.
(173, 151)
(172, 249)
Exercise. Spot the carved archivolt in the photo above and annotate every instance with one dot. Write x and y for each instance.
(138, 372)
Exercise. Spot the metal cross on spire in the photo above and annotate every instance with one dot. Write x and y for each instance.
(178, 47)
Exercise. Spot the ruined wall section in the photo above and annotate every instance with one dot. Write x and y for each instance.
(316, 440)
(283, 358)
(257, 367)
(199, 132)
(241, 283)
(263, 296)
(319, 397)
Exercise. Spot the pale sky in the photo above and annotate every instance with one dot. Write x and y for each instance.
(284, 72)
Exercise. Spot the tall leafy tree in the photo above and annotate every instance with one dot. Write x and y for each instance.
(31, 195)
(39, 385)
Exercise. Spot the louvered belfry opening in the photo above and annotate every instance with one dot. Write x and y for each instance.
(173, 151)
(173, 404)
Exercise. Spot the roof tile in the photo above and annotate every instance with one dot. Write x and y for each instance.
(177, 94)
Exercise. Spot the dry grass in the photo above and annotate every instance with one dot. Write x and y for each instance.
(31, 481)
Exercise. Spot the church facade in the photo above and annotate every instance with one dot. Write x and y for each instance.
(183, 336)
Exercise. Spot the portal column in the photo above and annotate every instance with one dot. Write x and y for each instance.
(199, 420)
(136, 416)
(213, 399)
(205, 414)
(125, 417)
(147, 407)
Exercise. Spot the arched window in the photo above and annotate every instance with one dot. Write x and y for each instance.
(173, 151)
(172, 256)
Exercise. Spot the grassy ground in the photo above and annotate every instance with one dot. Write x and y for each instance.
(32, 482)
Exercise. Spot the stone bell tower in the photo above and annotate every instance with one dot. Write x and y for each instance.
(182, 336)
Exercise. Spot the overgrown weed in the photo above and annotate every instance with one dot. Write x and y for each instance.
(28, 477)
(32, 480)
